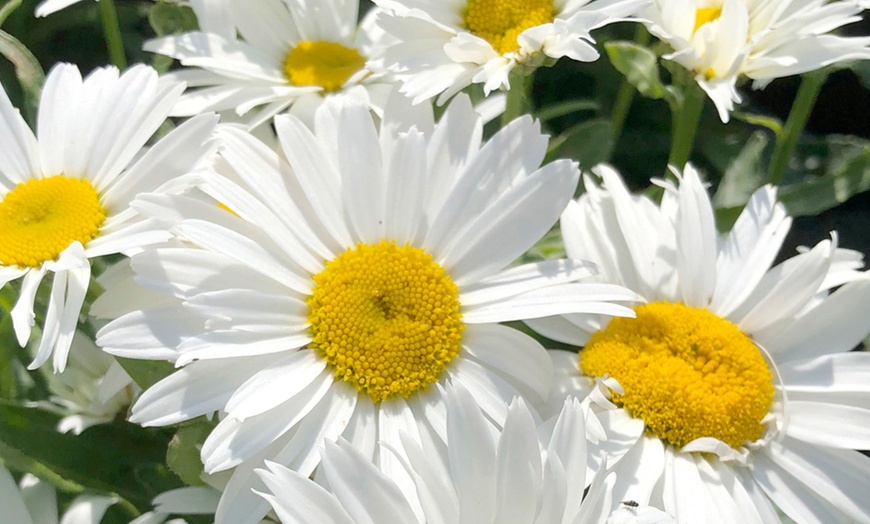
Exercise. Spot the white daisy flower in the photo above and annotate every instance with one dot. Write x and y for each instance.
(92, 390)
(526, 473)
(735, 390)
(65, 193)
(276, 54)
(33, 501)
(346, 284)
(720, 41)
(445, 45)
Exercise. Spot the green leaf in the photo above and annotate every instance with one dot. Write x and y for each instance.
(769, 122)
(146, 373)
(589, 143)
(27, 69)
(744, 175)
(846, 173)
(170, 19)
(640, 67)
(107, 457)
(566, 108)
(183, 455)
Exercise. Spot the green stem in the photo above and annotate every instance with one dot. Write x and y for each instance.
(519, 99)
(685, 125)
(797, 118)
(112, 31)
(8, 8)
(625, 95)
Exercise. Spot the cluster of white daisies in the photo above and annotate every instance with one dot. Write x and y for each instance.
(333, 288)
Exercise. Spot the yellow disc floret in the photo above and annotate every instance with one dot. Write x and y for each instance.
(385, 318)
(705, 15)
(499, 22)
(42, 217)
(321, 63)
(686, 373)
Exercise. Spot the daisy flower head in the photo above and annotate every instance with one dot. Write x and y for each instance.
(442, 46)
(527, 472)
(735, 391)
(349, 281)
(65, 192)
(33, 501)
(275, 55)
(721, 41)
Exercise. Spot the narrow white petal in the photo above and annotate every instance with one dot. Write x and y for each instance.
(369, 496)
(198, 389)
(518, 466)
(696, 241)
(22, 314)
(749, 250)
(298, 500)
(274, 385)
(473, 463)
(87, 509)
(829, 425)
(233, 441)
(10, 500)
(836, 325)
(555, 300)
(512, 353)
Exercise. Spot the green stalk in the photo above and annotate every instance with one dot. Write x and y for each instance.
(797, 118)
(625, 95)
(519, 97)
(112, 30)
(685, 125)
(8, 8)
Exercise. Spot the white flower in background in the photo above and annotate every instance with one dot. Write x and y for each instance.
(738, 391)
(65, 193)
(720, 41)
(92, 390)
(443, 46)
(527, 473)
(345, 285)
(33, 501)
(190, 500)
(276, 54)
(47, 7)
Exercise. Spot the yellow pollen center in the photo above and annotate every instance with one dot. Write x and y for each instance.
(42, 217)
(499, 22)
(704, 15)
(385, 318)
(324, 64)
(686, 373)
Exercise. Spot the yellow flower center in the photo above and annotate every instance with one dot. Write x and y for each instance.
(385, 318)
(324, 64)
(42, 217)
(499, 22)
(704, 15)
(686, 373)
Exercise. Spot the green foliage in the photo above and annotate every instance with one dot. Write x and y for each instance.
(118, 458)
(641, 68)
(183, 453)
(27, 69)
(146, 373)
(845, 172)
(589, 143)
